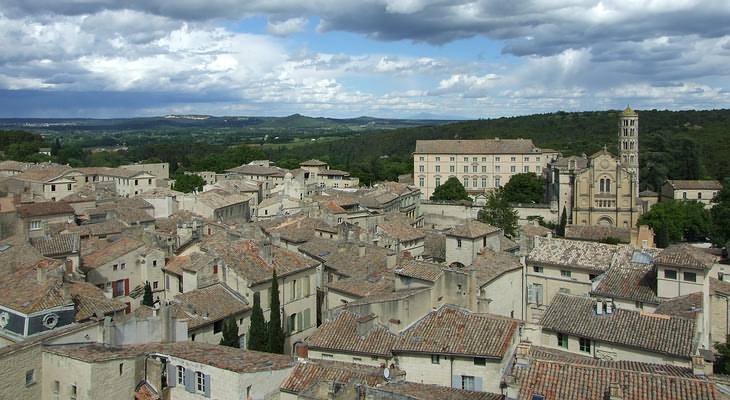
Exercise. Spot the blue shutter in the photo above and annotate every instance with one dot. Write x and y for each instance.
(456, 381)
(189, 380)
(171, 375)
(478, 384)
(206, 379)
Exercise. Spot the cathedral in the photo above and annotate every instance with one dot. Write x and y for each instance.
(601, 189)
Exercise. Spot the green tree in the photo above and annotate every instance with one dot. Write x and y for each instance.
(21, 151)
(230, 333)
(276, 333)
(723, 363)
(720, 216)
(147, 298)
(563, 223)
(497, 212)
(674, 221)
(257, 334)
(187, 183)
(451, 190)
(525, 188)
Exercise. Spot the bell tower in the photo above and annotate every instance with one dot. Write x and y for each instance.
(628, 143)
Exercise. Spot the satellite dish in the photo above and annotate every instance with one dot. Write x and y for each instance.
(386, 373)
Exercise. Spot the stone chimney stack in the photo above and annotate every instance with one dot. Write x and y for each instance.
(265, 251)
(615, 392)
(390, 260)
(365, 324)
(700, 367)
(361, 250)
(108, 335)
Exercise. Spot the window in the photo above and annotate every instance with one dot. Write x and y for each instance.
(467, 382)
(537, 270)
(74, 391)
(458, 242)
(670, 274)
(121, 369)
(496, 159)
(480, 361)
(136, 182)
(562, 341)
(484, 168)
(154, 263)
(421, 168)
(435, 359)
(513, 159)
(592, 276)
(154, 285)
(200, 381)
(466, 181)
(690, 277)
(452, 158)
(35, 225)
(452, 168)
(53, 188)
(69, 186)
(527, 159)
(420, 158)
(438, 181)
(291, 323)
(699, 195)
(326, 355)
(535, 294)
(123, 265)
(466, 168)
(29, 377)
(585, 345)
(217, 326)
(497, 169)
(56, 387)
(438, 168)
(438, 158)
(526, 169)
(684, 195)
(474, 168)
(512, 169)
(497, 181)
(484, 182)
(356, 359)
(420, 181)
(474, 182)
(565, 273)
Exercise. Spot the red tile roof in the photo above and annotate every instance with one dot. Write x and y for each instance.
(341, 335)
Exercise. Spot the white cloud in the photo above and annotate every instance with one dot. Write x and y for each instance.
(287, 27)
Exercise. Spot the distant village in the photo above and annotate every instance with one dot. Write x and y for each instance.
(273, 283)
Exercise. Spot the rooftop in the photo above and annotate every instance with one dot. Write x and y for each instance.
(44, 209)
(421, 391)
(695, 184)
(629, 281)
(422, 270)
(449, 330)
(212, 303)
(477, 146)
(312, 372)
(592, 256)
(90, 301)
(597, 232)
(472, 230)
(576, 315)
(490, 265)
(399, 228)
(57, 245)
(312, 163)
(22, 291)
(685, 256)
(342, 334)
(109, 250)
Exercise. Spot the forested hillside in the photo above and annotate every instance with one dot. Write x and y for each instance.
(673, 144)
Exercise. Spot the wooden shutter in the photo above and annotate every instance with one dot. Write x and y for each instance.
(126, 287)
(171, 375)
(306, 323)
(189, 380)
(478, 384)
(206, 379)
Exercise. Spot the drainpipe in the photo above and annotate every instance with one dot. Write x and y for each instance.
(451, 370)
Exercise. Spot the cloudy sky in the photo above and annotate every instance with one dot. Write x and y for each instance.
(344, 58)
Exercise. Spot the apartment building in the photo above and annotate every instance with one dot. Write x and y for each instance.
(481, 165)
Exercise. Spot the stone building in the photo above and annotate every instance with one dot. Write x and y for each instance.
(601, 189)
(480, 165)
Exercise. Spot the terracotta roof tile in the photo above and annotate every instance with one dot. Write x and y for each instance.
(596, 233)
(57, 245)
(210, 304)
(657, 333)
(312, 372)
(477, 146)
(45, 209)
(695, 184)
(636, 282)
(23, 292)
(684, 255)
(578, 254)
(90, 300)
(687, 306)
(109, 251)
(420, 391)
(472, 229)
(422, 270)
(341, 335)
(489, 265)
(453, 331)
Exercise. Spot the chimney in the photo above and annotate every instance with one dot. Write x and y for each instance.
(361, 250)
(522, 353)
(108, 332)
(390, 260)
(615, 392)
(700, 367)
(365, 324)
(265, 250)
(302, 351)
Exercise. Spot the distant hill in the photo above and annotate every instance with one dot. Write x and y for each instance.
(291, 123)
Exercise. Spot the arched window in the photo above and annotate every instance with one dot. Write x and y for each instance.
(602, 185)
(632, 159)
(608, 185)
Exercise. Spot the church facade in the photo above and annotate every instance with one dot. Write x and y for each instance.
(601, 189)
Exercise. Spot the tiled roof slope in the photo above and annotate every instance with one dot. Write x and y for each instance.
(695, 184)
(490, 265)
(472, 229)
(340, 334)
(568, 381)
(210, 304)
(44, 209)
(108, 252)
(373, 285)
(687, 256)
(453, 331)
(23, 292)
(687, 306)
(575, 253)
(307, 374)
(57, 245)
(630, 282)
(575, 315)
(597, 232)
(421, 391)
(91, 300)
(478, 146)
(422, 270)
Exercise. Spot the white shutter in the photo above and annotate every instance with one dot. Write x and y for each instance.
(531, 297)
(538, 292)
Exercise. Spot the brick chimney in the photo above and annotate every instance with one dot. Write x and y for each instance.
(700, 367)
(615, 392)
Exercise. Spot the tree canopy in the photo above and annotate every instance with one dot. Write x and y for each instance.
(147, 298)
(451, 190)
(525, 188)
(257, 331)
(187, 183)
(674, 221)
(497, 212)
(230, 333)
(720, 216)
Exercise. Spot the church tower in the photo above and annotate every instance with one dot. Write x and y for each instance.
(628, 143)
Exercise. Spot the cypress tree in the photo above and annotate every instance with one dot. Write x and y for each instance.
(230, 333)
(563, 222)
(276, 334)
(147, 298)
(257, 335)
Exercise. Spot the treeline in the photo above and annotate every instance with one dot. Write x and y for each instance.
(673, 144)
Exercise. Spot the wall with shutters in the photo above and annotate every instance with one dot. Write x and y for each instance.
(579, 283)
(420, 369)
(225, 384)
